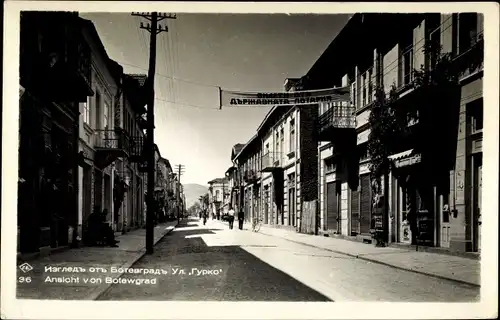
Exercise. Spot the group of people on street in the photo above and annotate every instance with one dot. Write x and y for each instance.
(231, 216)
(241, 218)
(98, 230)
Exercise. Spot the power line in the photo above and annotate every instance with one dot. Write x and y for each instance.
(187, 104)
(168, 77)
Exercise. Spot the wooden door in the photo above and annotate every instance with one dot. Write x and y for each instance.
(291, 207)
(332, 210)
(365, 204)
(355, 216)
(477, 205)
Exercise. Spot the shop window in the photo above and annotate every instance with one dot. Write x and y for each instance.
(475, 110)
(329, 165)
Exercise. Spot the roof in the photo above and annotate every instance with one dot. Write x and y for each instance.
(236, 149)
(140, 78)
(230, 169)
(218, 180)
(116, 70)
(252, 139)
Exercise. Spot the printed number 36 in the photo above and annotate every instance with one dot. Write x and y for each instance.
(24, 279)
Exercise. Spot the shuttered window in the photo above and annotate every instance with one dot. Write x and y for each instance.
(355, 195)
(332, 206)
(365, 195)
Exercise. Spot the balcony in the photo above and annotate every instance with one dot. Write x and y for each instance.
(142, 122)
(271, 162)
(470, 57)
(68, 77)
(110, 145)
(137, 149)
(251, 176)
(336, 121)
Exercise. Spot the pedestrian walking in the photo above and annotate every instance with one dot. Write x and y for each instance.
(241, 219)
(230, 217)
(205, 216)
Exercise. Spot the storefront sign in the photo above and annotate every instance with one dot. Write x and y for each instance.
(267, 99)
(408, 161)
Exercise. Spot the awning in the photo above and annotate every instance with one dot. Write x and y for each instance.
(405, 158)
(401, 155)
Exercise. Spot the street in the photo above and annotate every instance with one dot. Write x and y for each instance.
(233, 265)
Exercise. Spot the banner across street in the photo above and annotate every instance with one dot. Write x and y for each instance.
(265, 99)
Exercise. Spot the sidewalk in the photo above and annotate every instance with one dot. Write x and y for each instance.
(131, 248)
(442, 266)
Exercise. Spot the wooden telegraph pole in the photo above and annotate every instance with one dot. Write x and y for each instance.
(154, 30)
(180, 171)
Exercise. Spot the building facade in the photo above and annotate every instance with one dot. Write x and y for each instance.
(438, 185)
(55, 67)
(278, 167)
(218, 195)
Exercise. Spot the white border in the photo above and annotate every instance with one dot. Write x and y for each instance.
(19, 309)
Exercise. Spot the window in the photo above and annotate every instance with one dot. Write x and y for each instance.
(282, 135)
(106, 115)
(475, 109)
(86, 112)
(216, 195)
(353, 94)
(435, 41)
(467, 31)
(277, 146)
(97, 110)
(363, 153)
(292, 135)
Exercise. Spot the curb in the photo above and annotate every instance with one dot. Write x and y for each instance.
(102, 289)
(379, 262)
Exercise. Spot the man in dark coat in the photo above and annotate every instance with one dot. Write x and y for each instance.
(241, 219)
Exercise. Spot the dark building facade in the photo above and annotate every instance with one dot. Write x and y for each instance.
(55, 78)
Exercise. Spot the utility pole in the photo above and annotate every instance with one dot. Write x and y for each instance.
(180, 171)
(154, 30)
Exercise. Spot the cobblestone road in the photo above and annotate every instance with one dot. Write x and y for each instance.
(240, 265)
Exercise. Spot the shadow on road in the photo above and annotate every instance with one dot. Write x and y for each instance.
(241, 276)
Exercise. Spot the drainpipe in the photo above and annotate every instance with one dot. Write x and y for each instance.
(112, 196)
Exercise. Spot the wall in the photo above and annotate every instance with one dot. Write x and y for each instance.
(461, 186)
(308, 154)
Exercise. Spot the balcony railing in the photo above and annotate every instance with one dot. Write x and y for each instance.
(337, 117)
(251, 176)
(112, 139)
(271, 161)
(137, 148)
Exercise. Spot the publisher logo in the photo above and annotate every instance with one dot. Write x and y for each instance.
(25, 267)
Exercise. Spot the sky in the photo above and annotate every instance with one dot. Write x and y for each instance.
(201, 52)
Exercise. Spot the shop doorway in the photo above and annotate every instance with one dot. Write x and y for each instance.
(355, 217)
(332, 207)
(365, 204)
(291, 208)
(445, 212)
(266, 204)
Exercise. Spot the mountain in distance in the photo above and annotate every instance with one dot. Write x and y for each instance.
(193, 192)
